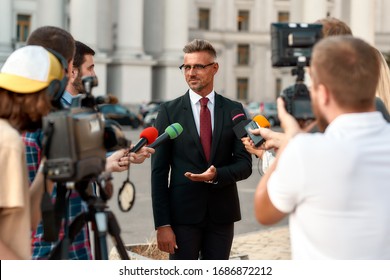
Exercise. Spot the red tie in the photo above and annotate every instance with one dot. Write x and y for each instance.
(205, 127)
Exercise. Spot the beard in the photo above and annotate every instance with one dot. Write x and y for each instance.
(78, 84)
(322, 123)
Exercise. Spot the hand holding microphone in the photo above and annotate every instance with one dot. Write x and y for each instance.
(257, 122)
(147, 137)
(272, 139)
(171, 132)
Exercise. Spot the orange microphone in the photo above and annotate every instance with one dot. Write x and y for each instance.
(262, 121)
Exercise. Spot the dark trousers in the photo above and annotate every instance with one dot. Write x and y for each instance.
(205, 241)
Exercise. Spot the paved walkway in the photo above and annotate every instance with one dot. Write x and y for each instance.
(269, 244)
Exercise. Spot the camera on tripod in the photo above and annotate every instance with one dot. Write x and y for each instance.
(75, 143)
(291, 45)
(78, 138)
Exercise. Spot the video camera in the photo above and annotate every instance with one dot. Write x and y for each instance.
(291, 45)
(77, 139)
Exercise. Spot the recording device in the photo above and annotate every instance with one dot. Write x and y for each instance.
(76, 140)
(257, 122)
(75, 144)
(257, 139)
(242, 126)
(292, 45)
(171, 132)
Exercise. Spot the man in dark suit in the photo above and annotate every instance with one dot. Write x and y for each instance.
(194, 191)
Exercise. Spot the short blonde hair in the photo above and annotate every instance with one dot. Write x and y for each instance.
(349, 68)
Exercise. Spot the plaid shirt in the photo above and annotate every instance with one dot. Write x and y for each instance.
(80, 249)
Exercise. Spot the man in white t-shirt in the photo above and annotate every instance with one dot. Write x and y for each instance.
(335, 186)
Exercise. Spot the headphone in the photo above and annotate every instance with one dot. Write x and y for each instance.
(57, 87)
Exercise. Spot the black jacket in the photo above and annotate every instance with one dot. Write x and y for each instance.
(184, 201)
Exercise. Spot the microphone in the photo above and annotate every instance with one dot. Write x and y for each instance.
(147, 136)
(262, 121)
(258, 121)
(240, 121)
(171, 132)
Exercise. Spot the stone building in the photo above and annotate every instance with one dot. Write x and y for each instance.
(139, 43)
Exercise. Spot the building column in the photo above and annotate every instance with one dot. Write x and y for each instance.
(307, 11)
(383, 19)
(88, 24)
(130, 73)
(83, 21)
(166, 33)
(219, 22)
(6, 30)
(52, 12)
(363, 19)
(130, 32)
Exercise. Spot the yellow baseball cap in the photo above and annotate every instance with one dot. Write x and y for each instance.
(30, 69)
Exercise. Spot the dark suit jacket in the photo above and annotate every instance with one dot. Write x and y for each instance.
(178, 200)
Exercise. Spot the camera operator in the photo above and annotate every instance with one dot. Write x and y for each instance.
(24, 100)
(80, 63)
(63, 42)
(330, 27)
(334, 184)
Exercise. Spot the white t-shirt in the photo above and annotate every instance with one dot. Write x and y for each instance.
(336, 187)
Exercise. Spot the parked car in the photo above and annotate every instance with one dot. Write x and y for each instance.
(150, 119)
(150, 107)
(120, 114)
(267, 109)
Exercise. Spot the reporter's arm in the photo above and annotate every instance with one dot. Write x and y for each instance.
(36, 191)
(265, 211)
(120, 160)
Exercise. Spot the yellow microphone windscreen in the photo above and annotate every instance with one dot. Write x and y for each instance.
(261, 121)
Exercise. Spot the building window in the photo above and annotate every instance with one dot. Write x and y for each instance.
(204, 19)
(283, 16)
(23, 27)
(243, 55)
(242, 88)
(243, 21)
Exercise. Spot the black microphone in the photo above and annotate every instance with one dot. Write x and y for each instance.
(147, 136)
(171, 132)
(240, 121)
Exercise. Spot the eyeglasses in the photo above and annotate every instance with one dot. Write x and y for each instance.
(197, 67)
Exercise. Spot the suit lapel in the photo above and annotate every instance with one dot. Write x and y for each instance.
(218, 124)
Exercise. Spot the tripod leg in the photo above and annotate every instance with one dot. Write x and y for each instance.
(114, 230)
(101, 252)
(62, 247)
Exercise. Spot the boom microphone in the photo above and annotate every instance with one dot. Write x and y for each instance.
(147, 136)
(171, 132)
(240, 121)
